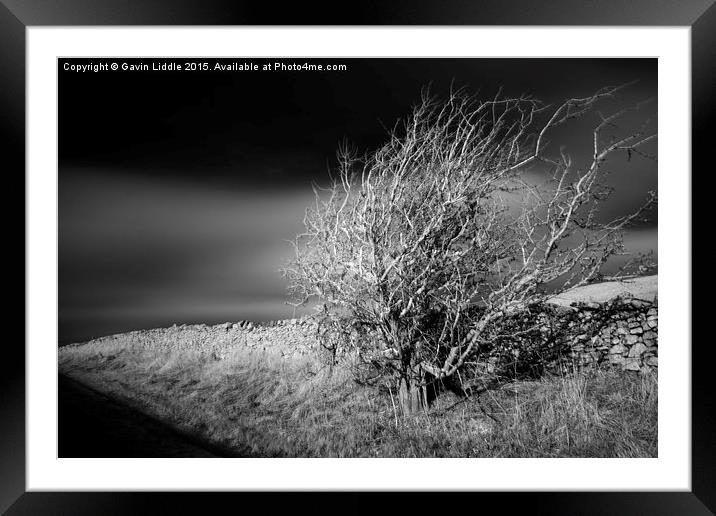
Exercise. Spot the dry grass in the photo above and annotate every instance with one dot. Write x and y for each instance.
(586, 414)
(260, 403)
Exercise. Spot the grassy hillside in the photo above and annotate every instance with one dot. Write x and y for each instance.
(208, 382)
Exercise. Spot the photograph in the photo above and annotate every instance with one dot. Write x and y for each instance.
(357, 257)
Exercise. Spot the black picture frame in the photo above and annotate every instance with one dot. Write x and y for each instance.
(17, 15)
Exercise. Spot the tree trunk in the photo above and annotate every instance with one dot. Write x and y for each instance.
(409, 397)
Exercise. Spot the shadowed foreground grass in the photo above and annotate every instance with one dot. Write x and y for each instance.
(271, 406)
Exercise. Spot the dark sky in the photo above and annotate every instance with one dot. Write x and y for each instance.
(178, 189)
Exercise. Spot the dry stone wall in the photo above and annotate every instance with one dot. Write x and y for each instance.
(289, 337)
(293, 337)
(621, 333)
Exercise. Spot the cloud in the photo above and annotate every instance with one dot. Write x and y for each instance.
(133, 248)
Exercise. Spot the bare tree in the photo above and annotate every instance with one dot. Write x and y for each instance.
(418, 249)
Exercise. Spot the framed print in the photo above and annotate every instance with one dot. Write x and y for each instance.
(390, 256)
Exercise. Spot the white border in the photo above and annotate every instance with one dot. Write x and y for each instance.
(671, 471)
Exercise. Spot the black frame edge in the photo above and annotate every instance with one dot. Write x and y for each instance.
(366, 12)
(13, 21)
(703, 111)
(12, 139)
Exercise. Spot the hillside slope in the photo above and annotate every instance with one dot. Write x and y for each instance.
(643, 287)
(246, 389)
